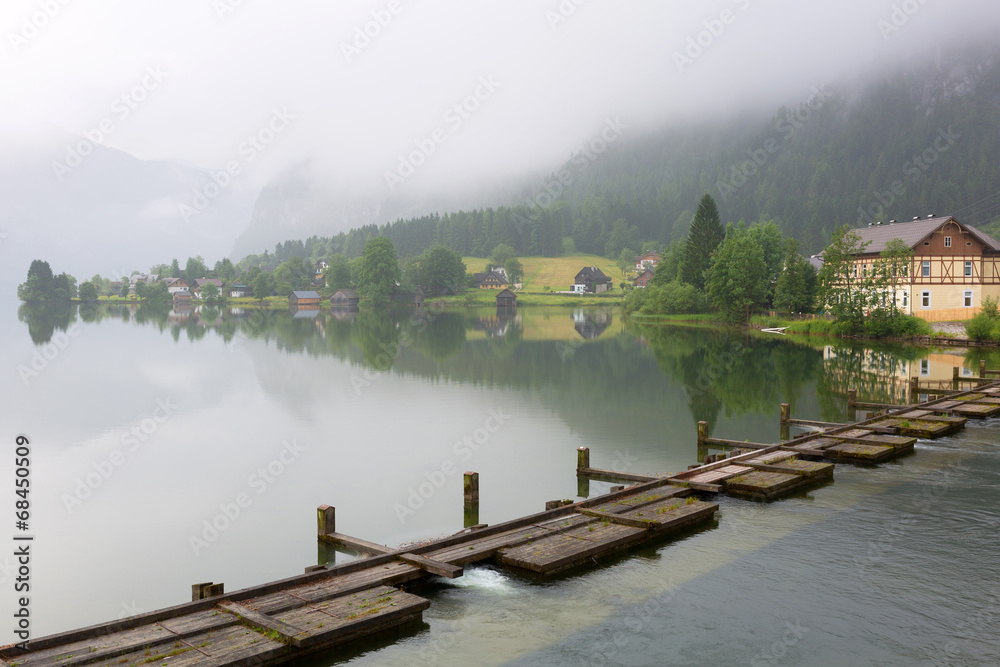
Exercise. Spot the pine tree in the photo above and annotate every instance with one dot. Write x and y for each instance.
(704, 237)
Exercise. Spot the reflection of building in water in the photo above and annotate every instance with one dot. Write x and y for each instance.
(880, 371)
(344, 314)
(499, 324)
(591, 324)
(179, 315)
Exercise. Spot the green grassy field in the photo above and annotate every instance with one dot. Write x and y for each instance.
(556, 273)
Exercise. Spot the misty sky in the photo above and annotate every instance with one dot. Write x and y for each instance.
(201, 76)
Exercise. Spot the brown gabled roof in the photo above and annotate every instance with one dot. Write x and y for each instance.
(913, 233)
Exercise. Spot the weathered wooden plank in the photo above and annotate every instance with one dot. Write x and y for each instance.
(601, 538)
(432, 566)
(340, 619)
(287, 632)
(356, 544)
(644, 524)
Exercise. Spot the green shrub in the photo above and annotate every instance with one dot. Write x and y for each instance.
(981, 327)
(990, 309)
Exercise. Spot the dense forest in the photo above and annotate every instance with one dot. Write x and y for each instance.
(912, 144)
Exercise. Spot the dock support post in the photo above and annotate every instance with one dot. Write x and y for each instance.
(326, 520)
(914, 390)
(954, 377)
(982, 369)
(786, 414)
(582, 457)
(206, 590)
(470, 489)
(852, 400)
(702, 433)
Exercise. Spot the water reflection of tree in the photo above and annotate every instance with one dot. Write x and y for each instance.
(727, 371)
(44, 319)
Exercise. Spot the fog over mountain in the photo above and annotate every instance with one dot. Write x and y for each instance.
(186, 109)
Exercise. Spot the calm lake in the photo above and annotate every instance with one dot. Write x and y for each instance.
(150, 427)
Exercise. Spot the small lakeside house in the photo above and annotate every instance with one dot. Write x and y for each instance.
(346, 297)
(506, 299)
(303, 298)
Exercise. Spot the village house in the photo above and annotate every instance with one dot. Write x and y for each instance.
(175, 285)
(238, 291)
(647, 260)
(201, 282)
(303, 298)
(643, 278)
(591, 279)
(494, 279)
(954, 266)
(345, 297)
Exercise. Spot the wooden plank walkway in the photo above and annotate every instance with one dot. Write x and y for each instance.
(329, 607)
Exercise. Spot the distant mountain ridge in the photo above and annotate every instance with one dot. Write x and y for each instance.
(915, 142)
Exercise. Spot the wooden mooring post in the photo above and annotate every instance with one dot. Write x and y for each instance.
(982, 368)
(786, 414)
(470, 491)
(326, 520)
(954, 377)
(206, 590)
(852, 402)
(582, 463)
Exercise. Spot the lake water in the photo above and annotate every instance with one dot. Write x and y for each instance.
(148, 426)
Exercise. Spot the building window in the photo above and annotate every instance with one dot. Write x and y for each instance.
(906, 299)
(925, 366)
(947, 242)
(925, 299)
(855, 267)
(967, 298)
(926, 268)
(968, 269)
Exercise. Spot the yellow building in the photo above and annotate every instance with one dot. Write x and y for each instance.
(954, 267)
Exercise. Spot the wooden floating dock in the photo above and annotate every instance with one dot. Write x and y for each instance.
(330, 607)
